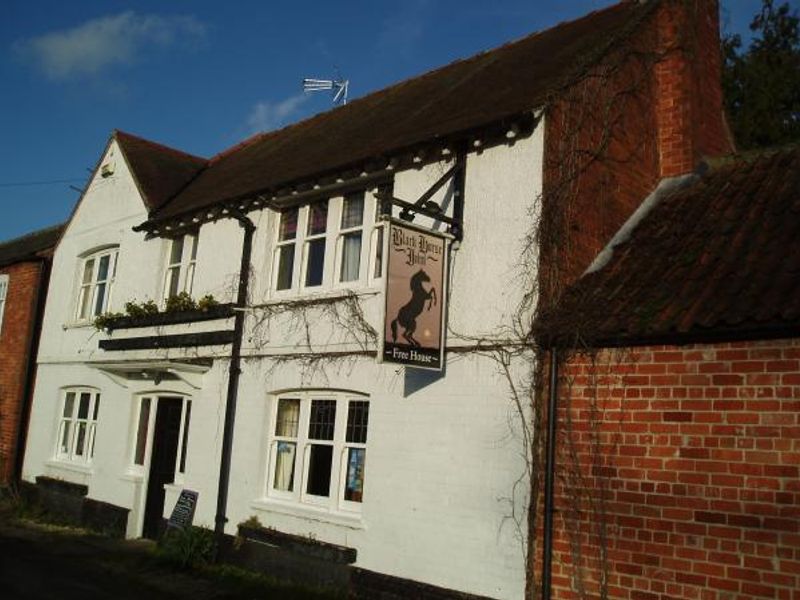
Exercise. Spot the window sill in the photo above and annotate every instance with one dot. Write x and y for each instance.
(305, 511)
(77, 325)
(328, 293)
(70, 466)
(132, 476)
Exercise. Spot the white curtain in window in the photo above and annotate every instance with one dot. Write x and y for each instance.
(351, 256)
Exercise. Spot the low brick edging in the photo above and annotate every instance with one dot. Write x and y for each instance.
(67, 502)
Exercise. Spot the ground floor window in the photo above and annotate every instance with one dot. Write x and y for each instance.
(80, 408)
(318, 448)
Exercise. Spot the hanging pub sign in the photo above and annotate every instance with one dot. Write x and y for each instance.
(416, 276)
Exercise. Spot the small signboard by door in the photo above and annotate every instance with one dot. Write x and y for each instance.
(416, 282)
(183, 513)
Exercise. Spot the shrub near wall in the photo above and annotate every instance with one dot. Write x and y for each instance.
(679, 473)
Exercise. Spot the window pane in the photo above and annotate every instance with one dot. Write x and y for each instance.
(189, 279)
(96, 407)
(288, 230)
(284, 466)
(69, 403)
(83, 407)
(323, 417)
(86, 295)
(88, 269)
(354, 483)
(92, 431)
(102, 268)
(176, 251)
(317, 217)
(285, 267)
(65, 430)
(316, 262)
(141, 432)
(286, 424)
(185, 441)
(80, 441)
(357, 418)
(351, 256)
(319, 470)
(100, 296)
(194, 240)
(353, 210)
(173, 279)
(379, 255)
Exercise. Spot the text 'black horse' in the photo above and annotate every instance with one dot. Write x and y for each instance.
(408, 313)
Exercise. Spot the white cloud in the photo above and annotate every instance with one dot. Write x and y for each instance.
(271, 115)
(103, 42)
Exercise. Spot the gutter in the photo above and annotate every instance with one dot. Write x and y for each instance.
(549, 477)
(233, 375)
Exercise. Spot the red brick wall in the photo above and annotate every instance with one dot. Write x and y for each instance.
(14, 341)
(686, 460)
(688, 97)
(651, 109)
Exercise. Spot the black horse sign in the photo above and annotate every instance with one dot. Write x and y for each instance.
(416, 266)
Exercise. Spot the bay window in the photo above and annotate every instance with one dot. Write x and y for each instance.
(317, 451)
(77, 427)
(98, 271)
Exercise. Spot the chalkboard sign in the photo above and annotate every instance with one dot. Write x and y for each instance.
(183, 513)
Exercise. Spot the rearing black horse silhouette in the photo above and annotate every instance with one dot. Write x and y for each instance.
(408, 313)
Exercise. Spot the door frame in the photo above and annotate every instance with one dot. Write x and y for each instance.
(141, 473)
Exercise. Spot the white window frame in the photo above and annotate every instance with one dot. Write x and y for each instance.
(70, 446)
(182, 270)
(4, 282)
(88, 290)
(334, 247)
(336, 500)
(144, 426)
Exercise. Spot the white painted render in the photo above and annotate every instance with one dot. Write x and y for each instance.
(443, 452)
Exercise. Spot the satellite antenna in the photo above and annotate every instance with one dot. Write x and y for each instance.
(338, 87)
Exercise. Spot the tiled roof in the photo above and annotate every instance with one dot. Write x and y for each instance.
(159, 171)
(464, 95)
(29, 246)
(720, 258)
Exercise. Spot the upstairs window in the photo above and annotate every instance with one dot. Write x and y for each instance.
(98, 272)
(318, 449)
(3, 293)
(181, 261)
(78, 424)
(328, 243)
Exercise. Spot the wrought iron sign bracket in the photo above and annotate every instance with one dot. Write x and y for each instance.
(430, 208)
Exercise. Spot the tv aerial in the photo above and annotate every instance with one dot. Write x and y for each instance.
(337, 87)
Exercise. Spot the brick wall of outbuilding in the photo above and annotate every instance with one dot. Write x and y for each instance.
(679, 473)
(17, 328)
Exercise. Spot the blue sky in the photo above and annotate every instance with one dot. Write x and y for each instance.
(202, 75)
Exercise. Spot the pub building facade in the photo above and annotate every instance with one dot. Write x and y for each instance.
(342, 386)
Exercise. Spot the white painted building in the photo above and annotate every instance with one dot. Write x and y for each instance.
(443, 452)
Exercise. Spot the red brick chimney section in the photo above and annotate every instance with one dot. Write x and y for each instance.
(689, 111)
